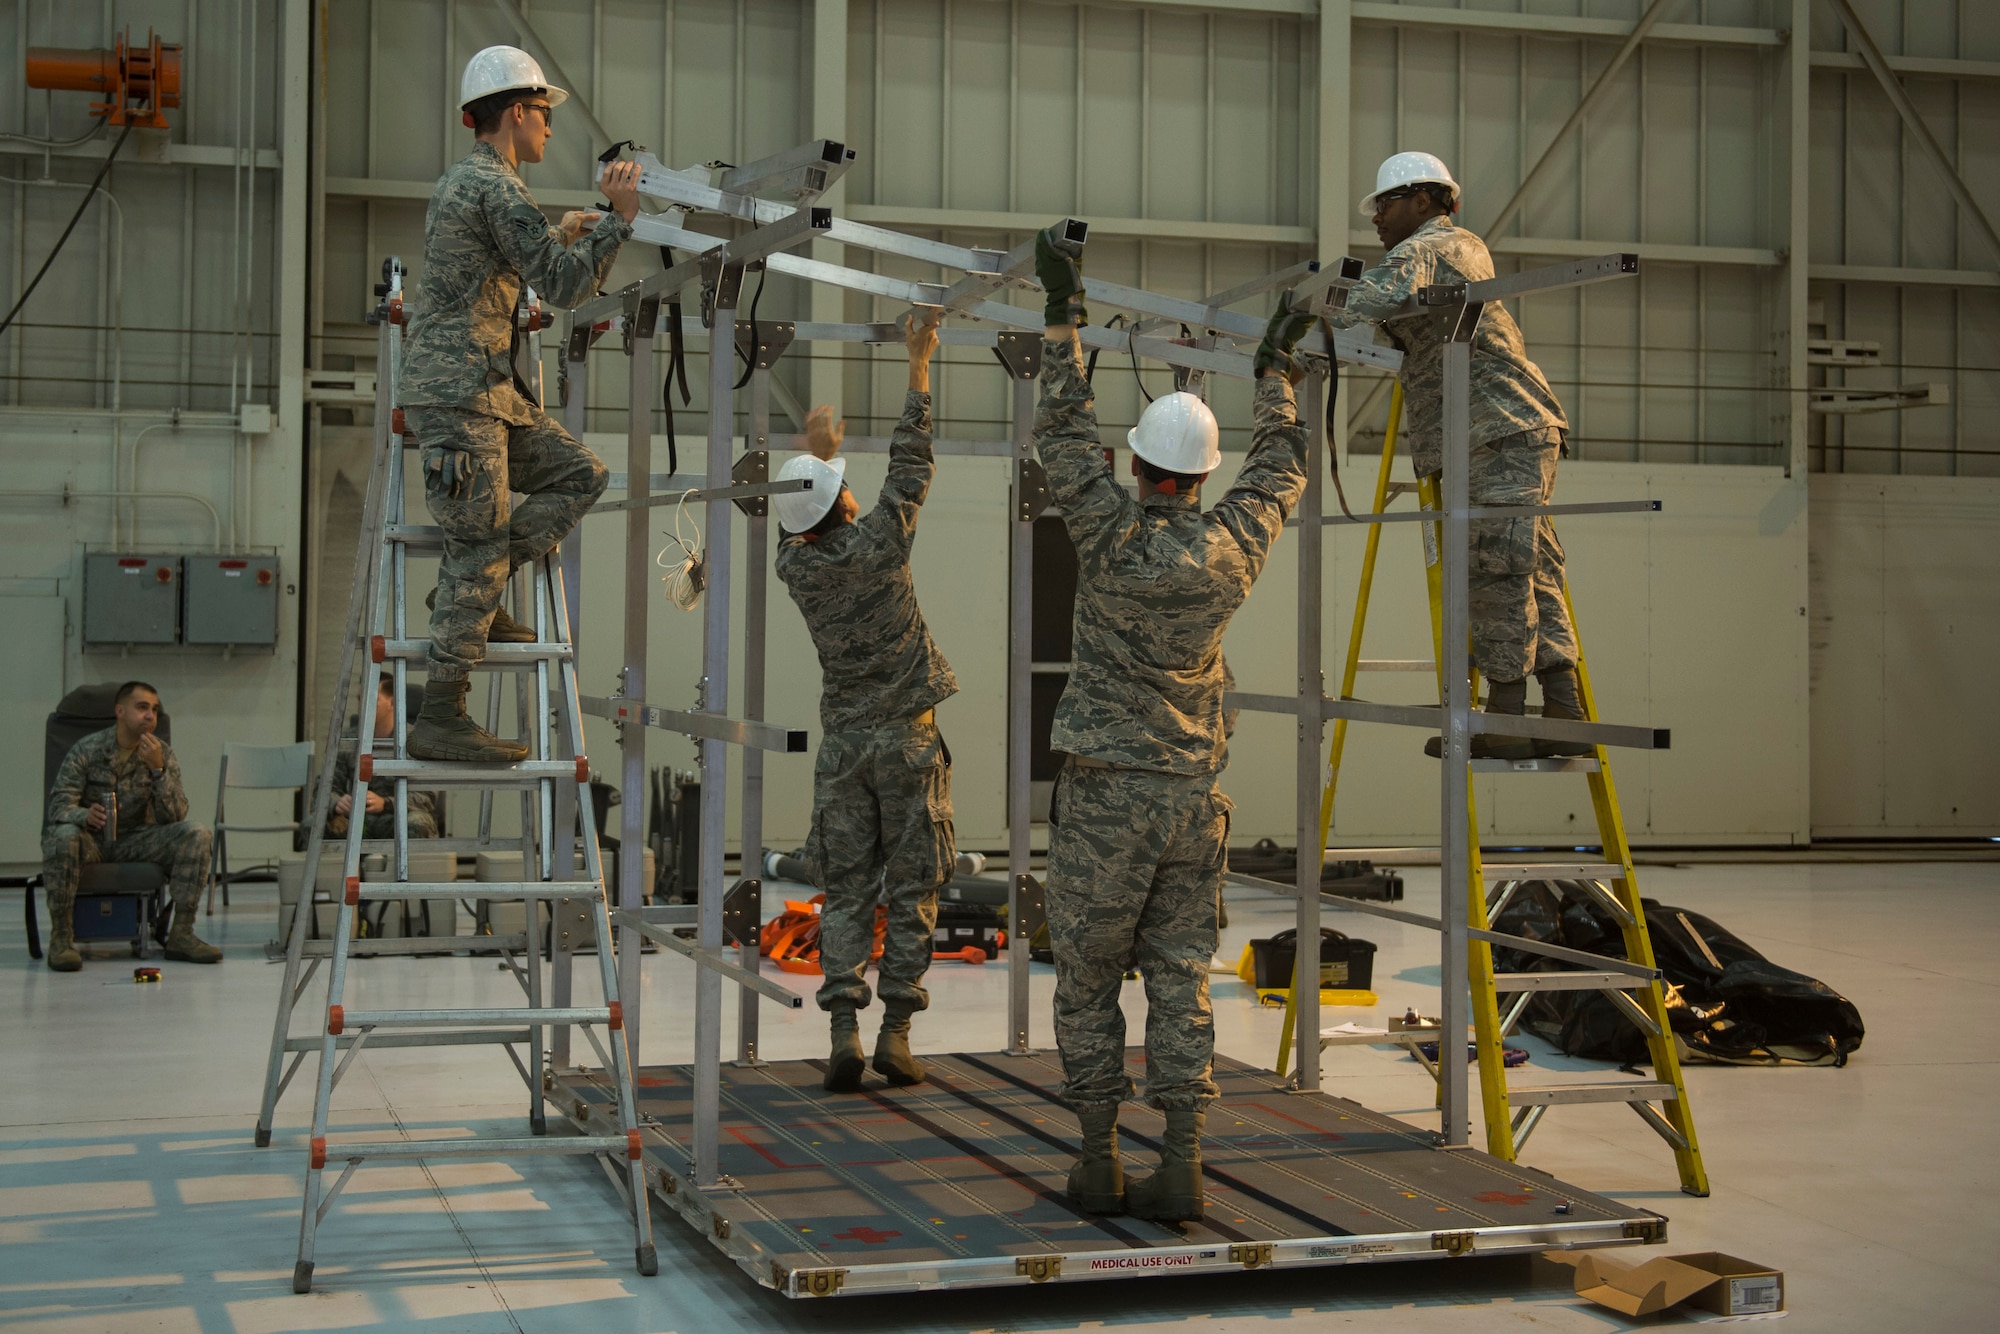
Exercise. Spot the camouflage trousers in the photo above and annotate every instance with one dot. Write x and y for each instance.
(1515, 578)
(180, 849)
(382, 824)
(486, 536)
(1135, 871)
(881, 829)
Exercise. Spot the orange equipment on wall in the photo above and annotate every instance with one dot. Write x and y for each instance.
(138, 83)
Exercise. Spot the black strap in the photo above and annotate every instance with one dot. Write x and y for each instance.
(676, 368)
(1333, 402)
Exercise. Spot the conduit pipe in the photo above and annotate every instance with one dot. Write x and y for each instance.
(67, 494)
(178, 426)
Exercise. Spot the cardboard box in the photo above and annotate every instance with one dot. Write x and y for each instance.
(1706, 1280)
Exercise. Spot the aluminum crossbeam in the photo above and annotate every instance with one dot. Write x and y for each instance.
(712, 959)
(1496, 512)
(707, 726)
(797, 227)
(1570, 273)
(1430, 717)
(809, 170)
(690, 495)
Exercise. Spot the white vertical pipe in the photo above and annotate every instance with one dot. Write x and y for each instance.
(1454, 823)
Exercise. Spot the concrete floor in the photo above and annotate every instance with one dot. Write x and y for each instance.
(132, 1199)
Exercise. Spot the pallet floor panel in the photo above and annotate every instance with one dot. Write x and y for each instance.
(959, 1181)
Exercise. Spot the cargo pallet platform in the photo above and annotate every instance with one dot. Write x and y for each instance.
(958, 1182)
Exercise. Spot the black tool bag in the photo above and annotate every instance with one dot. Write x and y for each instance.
(1727, 1002)
(1353, 879)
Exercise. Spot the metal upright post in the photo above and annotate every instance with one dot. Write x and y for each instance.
(1311, 729)
(1020, 652)
(756, 584)
(641, 319)
(714, 753)
(575, 350)
(1454, 822)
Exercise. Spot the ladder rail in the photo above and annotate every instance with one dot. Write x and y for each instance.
(1508, 1124)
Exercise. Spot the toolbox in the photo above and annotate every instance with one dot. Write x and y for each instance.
(963, 926)
(1345, 963)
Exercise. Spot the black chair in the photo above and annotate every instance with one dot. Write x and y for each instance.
(123, 901)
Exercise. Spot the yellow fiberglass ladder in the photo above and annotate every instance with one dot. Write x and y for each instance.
(1611, 884)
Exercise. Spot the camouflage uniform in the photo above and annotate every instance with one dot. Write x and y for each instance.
(422, 812)
(1140, 829)
(152, 823)
(483, 238)
(1519, 624)
(882, 780)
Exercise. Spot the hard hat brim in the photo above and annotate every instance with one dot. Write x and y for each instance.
(557, 96)
(1368, 201)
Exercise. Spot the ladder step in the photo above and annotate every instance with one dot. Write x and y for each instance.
(1395, 665)
(419, 538)
(1553, 871)
(485, 1037)
(477, 1148)
(1622, 1091)
(368, 947)
(1578, 764)
(389, 890)
(1518, 982)
(541, 1018)
(497, 655)
(463, 773)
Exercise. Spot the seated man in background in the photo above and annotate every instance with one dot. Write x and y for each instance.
(379, 819)
(118, 798)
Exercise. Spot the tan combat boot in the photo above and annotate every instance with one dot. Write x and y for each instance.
(892, 1048)
(1560, 700)
(443, 732)
(1173, 1194)
(1510, 697)
(845, 1064)
(504, 630)
(63, 955)
(183, 944)
(1097, 1177)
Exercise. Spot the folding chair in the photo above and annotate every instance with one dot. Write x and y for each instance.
(258, 767)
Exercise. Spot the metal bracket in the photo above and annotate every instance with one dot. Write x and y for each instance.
(1250, 1254)
(1647, 1229)
(773, 337)
(572, 923)
(1038, 1268)
(576, 346)
(642, 316)
(1458, 1243)
(743, 913)
(721, 285)
(753, 468)
(1020, 353)
(1031, 490)
(1030, 907)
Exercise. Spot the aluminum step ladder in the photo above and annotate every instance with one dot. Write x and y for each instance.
(554, 792)
(1632, 984)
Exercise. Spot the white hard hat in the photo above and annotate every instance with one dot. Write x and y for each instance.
(1177, 433)
(800, 510)
(504, 69)
(1409, 169)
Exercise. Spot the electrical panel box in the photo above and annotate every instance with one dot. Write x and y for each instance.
(231, 600)
(130, 598)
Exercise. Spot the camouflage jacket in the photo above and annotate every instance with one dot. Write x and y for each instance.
(1509, 394)
(1157, 580)
(483, 238)
(92, 768)
(343, 786)
(877, 662)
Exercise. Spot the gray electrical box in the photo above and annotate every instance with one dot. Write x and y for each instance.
(130, 599)
(231, 600)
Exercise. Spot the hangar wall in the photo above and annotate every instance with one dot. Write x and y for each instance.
(1770, 187)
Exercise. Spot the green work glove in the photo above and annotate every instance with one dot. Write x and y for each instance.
(451, 470)
(1061, 275)
(1281, 335)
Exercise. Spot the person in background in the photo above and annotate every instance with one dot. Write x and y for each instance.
(118, 798)
(379, 813)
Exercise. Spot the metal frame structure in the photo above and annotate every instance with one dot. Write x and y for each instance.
(690, 1175)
